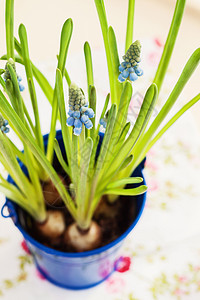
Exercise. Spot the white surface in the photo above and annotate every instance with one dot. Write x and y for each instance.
(167, 238)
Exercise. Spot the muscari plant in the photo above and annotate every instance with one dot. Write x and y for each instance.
(123, 147)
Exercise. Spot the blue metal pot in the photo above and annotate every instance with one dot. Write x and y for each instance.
(75, 270)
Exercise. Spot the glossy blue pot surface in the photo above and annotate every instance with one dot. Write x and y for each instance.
(76, 270)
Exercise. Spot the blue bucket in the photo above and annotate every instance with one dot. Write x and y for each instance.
(75, 270)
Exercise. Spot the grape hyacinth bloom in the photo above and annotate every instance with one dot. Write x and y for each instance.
(129, 68)
(79, 112)
(3, 125)
(7, 76)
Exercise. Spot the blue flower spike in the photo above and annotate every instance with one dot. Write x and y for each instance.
(3, 125)
(79, 113)
(129, 68)
(7, 76)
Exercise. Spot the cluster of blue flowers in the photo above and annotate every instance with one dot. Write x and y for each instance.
(79, 112)
(3, 125)
(129, 68)
(6, 74)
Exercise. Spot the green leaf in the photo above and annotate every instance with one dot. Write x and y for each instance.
(118, 126)
(31, 86)
(115, 63)
(93, 157)
(170, 42)
(92, 101)
(60, 157)
(63, 116)
(2, 82)
(184, 77)
(18, 176)
(64, 45)
(123, 108)
(82, 185)
(103, 113)
(89, 68)
(43, 83)
(9, 20)
(142, 119)
(127, 161)
(124, 181)
(25, 136)
(67, 77)
(16, 90)
(106, 140)
(13, 193)
(122, 137)
(173, 120)
(2, 71)
(127, 192)
(41, 79)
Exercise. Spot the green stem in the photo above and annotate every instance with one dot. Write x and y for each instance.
(104, 27)
(67, 77)
(9, 21)
(130, 21)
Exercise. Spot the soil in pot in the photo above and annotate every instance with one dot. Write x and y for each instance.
(113, 219)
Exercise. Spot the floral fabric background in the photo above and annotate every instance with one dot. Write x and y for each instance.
(162, 255)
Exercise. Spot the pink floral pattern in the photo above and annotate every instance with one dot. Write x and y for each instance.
(164, 248)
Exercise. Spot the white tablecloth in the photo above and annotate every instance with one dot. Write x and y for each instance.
(164, 248)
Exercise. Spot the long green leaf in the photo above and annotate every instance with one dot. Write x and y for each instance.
(127, 161)
(127, 192)
(103, 113)
(172, 121)
(41, 79)
(25, 136)
(118, 126)
(62, 110)
(64, 45)
(31, 86)
(82, 185)
(88, 63)
(60, 157)
(92, 101)
(142, 119)
(170, 42)
(115, 63)
(124, 181)
(106, 140)
(185, 75)
(19, 177)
